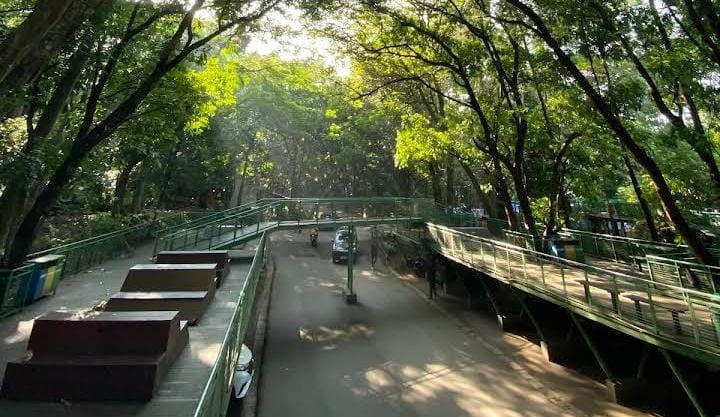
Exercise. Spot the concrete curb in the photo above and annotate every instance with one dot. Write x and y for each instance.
(250, 402)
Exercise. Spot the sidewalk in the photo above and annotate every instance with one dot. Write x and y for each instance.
(566, 388)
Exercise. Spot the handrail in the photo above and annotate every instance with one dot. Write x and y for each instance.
(213, 215)
(623, 238)
(216, 393)
(302, 211)
(64, 248)
(208, 222)
(88, 252)
(12, 285)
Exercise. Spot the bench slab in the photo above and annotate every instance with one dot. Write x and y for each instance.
(96, 356)
(219, 257)
(169, 277)
(190, 304)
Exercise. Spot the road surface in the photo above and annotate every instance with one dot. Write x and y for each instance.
(397, 354)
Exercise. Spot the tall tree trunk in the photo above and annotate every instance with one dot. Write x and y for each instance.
(12, 204)
(670, 207)
(487, 202)
(524, 201)
(503, 193)
(435, 183)
(239, 183)
(556, 186)
(170, 163)
(121, 185)
(138, 201)
(450, 181)
(644, 206)
(565, 206)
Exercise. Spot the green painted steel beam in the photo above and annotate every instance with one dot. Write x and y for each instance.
(681, 379)
(532, 317)
(590, 344)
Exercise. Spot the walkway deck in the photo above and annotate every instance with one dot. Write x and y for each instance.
(179, 391)
(668, 316)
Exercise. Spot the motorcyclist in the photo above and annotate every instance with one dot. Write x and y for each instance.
(314, 236)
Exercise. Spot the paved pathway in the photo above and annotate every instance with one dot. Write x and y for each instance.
(397, 354)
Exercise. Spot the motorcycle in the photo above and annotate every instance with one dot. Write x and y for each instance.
(313, 238)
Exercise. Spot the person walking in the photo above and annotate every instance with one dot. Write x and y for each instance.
(373, 251)
(432, 290)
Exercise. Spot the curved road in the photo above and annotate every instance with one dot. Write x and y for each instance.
(397, 354)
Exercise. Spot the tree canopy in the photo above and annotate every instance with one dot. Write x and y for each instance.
(551, 109)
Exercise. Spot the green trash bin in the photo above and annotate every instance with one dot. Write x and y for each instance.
(46, 276)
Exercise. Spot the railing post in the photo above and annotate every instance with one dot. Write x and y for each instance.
(653, 313)
(597, 246)
(693, 319)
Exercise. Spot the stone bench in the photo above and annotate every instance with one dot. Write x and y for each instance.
(96, 356)
(170, 277)
(219, 257)
(674, 309)
(190, 304)
(613, 290)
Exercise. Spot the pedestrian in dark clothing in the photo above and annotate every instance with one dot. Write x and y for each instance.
(373, 252)
(432, 291)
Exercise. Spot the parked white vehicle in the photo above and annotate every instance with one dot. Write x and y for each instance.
(244, 371)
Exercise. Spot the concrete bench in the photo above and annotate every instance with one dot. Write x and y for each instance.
(219, 257)
(674, 309)
(170, 277)
(96, 356)
(613, 290)
(190, 304)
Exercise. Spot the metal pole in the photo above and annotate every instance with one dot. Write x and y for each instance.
(350, 296)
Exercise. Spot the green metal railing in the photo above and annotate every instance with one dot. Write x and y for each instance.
(670, 316)
(683, 273)
(217, 391)
(207, 218)
(13, 288)
(525, 240)
(92, 251)
(623, 249)
(295, 213)
(497, 226)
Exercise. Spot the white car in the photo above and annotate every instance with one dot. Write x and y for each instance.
(243, 373)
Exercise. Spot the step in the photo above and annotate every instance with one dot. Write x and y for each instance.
(97, 356)
(219, 257)
(190, 304)
(169, 277)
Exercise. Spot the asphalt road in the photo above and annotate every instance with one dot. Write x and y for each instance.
(395, 353)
